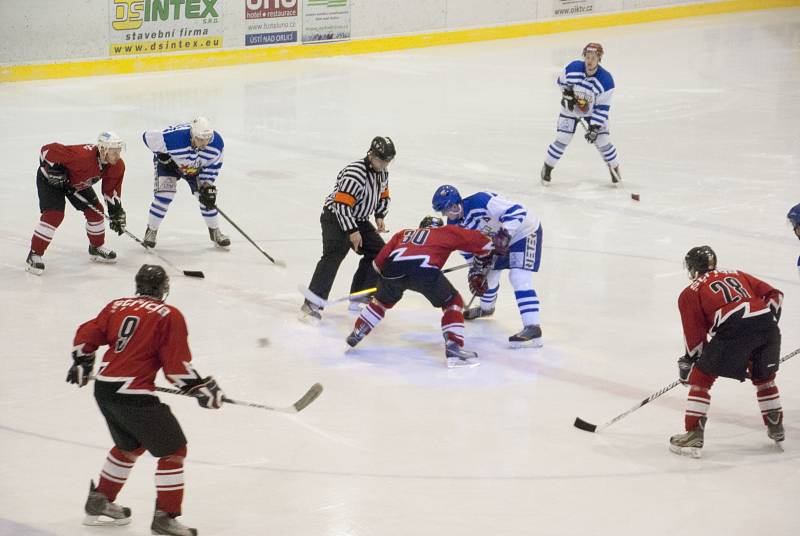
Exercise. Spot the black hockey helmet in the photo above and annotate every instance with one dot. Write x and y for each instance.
(431, 221)
(699, 260)
(383, 148)
(152, 280)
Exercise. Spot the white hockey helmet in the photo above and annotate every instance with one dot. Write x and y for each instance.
(110, 140)
(201, 129)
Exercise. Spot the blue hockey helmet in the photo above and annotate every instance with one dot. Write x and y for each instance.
(794, 219)
(445, 196)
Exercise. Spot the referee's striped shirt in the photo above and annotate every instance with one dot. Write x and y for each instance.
(359, 192)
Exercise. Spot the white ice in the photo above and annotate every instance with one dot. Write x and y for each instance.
(706, 122)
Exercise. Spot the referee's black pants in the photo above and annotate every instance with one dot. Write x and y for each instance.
(335, 245)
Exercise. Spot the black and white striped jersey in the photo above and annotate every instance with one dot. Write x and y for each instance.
(359, 192)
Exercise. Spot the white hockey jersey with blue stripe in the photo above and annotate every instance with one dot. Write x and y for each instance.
(176, 141)
(595, 90)
(487, 212)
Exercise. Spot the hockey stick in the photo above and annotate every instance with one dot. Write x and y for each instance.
(267, 255)
(613, 171)
(188, 273)
(583, 425)
(322, 302)
(312, 394)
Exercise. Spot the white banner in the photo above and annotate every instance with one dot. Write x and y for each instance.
(572, 8)
(270, 22)
(326, 20)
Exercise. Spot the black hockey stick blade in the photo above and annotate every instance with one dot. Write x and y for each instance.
(312, 394)
(194, 273)
(583, 425)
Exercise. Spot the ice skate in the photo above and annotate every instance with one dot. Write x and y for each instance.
(102, 254)
(616, 176)
(690, 443)
(357, 335)
(546, 178)
(100, 511)
(35, 265)
(775, 426)
(310, 312)
(220, 240)
(458, 357)
(477, 312)
(150, 237)
(164, 523)
(530, 336)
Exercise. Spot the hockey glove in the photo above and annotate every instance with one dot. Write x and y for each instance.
(81, 368)
(208, 195)
(685, 364)
(117, 217)
(56, 175)
(500, 241)
(477, 275)
(568, 98)
(591, 134)
(168, 164)
(206, 391)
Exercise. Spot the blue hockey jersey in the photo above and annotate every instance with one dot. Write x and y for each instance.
(204, 164)
(592, 93)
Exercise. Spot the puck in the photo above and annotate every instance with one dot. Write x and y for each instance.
(263, 341)
(635, 197)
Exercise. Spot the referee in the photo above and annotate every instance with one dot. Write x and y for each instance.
(362, 189)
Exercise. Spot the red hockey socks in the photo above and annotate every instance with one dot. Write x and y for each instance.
(453, 320)
(95, 227)
(43, 234)
(371, 315)
(115, 471)
(699, 398)
(768, 398)
(169, 482)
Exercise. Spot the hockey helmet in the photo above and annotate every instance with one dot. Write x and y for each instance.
(201, 129)
(444, 197)
(110, 140)
(699, 260)
(597, 48)
(152, 280)
(383, 148)
(794, 215)
(431, 221)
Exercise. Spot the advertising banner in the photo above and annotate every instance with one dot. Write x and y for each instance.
(270, 22)
(570, 8)
(326, 20)
(164, 26)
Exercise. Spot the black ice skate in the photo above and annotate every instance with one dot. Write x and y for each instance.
(150, 237)
(529, 336)
(690, 443)
(311, 311)
(458, 357)
(616, 176)
(100, 511)
(220, 240)
(102, 254)
(546, 178)
(357, 335)
(35, 265)
(164, 523)
(477, 312)
(775, 426)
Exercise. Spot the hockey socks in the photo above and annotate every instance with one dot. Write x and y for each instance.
(116, 470)
(45, 229)
(769, 400)
(453, 320)
(169, 482)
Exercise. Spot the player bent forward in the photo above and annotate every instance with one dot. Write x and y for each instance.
(738, 315)
(413, 260)
(144, 334)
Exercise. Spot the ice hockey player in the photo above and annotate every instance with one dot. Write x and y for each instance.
(730, 326)
(193, 152)
(793, 217)
(413, 260)
(586, 91)
(68, 169)
(489, 214)
(361, 191)
(144, 335)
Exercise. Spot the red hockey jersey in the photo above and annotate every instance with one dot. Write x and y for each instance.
(83, 165)
(143, 336)
(430, 247)
(715, 296)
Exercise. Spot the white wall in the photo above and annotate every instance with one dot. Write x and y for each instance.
(35, 31)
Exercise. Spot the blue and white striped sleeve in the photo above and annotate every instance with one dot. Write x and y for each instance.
(211, 169)
(511, 215)
(154, 140)
(602, 108)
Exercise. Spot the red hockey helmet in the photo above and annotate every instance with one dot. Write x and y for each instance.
(597, 48)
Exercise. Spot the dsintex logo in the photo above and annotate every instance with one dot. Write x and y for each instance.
(131, 14)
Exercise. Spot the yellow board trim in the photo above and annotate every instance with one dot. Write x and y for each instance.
(127, 65)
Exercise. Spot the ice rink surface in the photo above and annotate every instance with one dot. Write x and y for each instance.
(705, 119)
